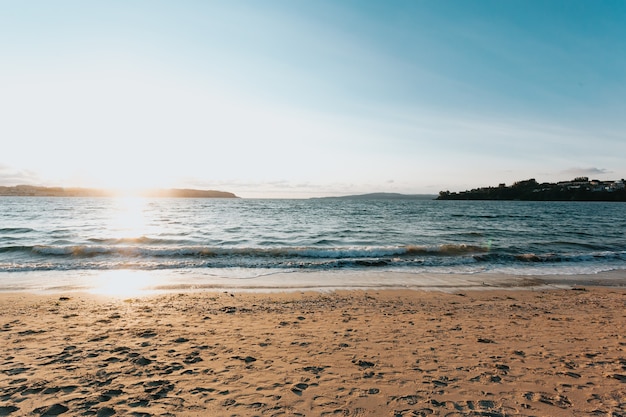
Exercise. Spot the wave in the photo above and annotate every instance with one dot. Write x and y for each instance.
(518, 264)
(411, 257)
(142, 240)
(16, 230)
(12, 249)
(492, 216)
(337, 252)
(447, 249)
(552, 257)
(480, 252)
(574, 244)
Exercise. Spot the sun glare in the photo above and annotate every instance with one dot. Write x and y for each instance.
(128, 219)
(122, 283)
(129, 178)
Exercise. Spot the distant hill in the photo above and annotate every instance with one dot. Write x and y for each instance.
(188, 193)
(381, 196)
(36, 191)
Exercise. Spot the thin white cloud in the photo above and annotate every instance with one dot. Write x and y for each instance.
(11, 176)
(586, 171)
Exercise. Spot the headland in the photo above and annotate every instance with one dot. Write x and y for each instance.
(36, 191)
(578, 189)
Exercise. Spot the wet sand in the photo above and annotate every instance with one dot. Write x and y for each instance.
(558, 352)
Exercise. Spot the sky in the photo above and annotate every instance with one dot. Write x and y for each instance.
(299, 99)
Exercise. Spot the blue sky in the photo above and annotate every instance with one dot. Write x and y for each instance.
(309, 98)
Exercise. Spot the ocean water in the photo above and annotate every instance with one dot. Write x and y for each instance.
(69, 242)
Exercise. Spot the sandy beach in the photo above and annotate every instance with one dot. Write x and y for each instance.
(554, 352)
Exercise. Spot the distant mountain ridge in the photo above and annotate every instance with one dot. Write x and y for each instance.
(37, 191)
(381, 196)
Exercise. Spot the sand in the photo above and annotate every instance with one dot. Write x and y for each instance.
(355, 353)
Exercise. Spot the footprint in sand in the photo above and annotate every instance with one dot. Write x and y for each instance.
(8, 409)
(560, 401)
(105, 412)
(53, 410)
(298, 388)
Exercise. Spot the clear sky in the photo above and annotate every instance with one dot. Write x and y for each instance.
(308, 98)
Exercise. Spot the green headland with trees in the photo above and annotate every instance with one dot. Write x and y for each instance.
(578, 189)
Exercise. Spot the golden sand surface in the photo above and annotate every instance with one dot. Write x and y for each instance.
(355, 353)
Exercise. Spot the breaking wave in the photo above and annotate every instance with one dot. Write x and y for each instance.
(78, 257)
(88, 251)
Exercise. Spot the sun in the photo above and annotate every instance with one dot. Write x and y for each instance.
(128, 218)
(131, 181)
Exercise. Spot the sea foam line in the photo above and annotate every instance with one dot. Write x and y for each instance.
(278, 252)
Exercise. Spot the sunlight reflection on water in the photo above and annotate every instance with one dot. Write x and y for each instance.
(123, 283)
(128, 219)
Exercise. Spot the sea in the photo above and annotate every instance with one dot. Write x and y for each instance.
(66, 244)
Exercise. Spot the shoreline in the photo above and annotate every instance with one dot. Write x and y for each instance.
(139, 282)
(378, 352)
